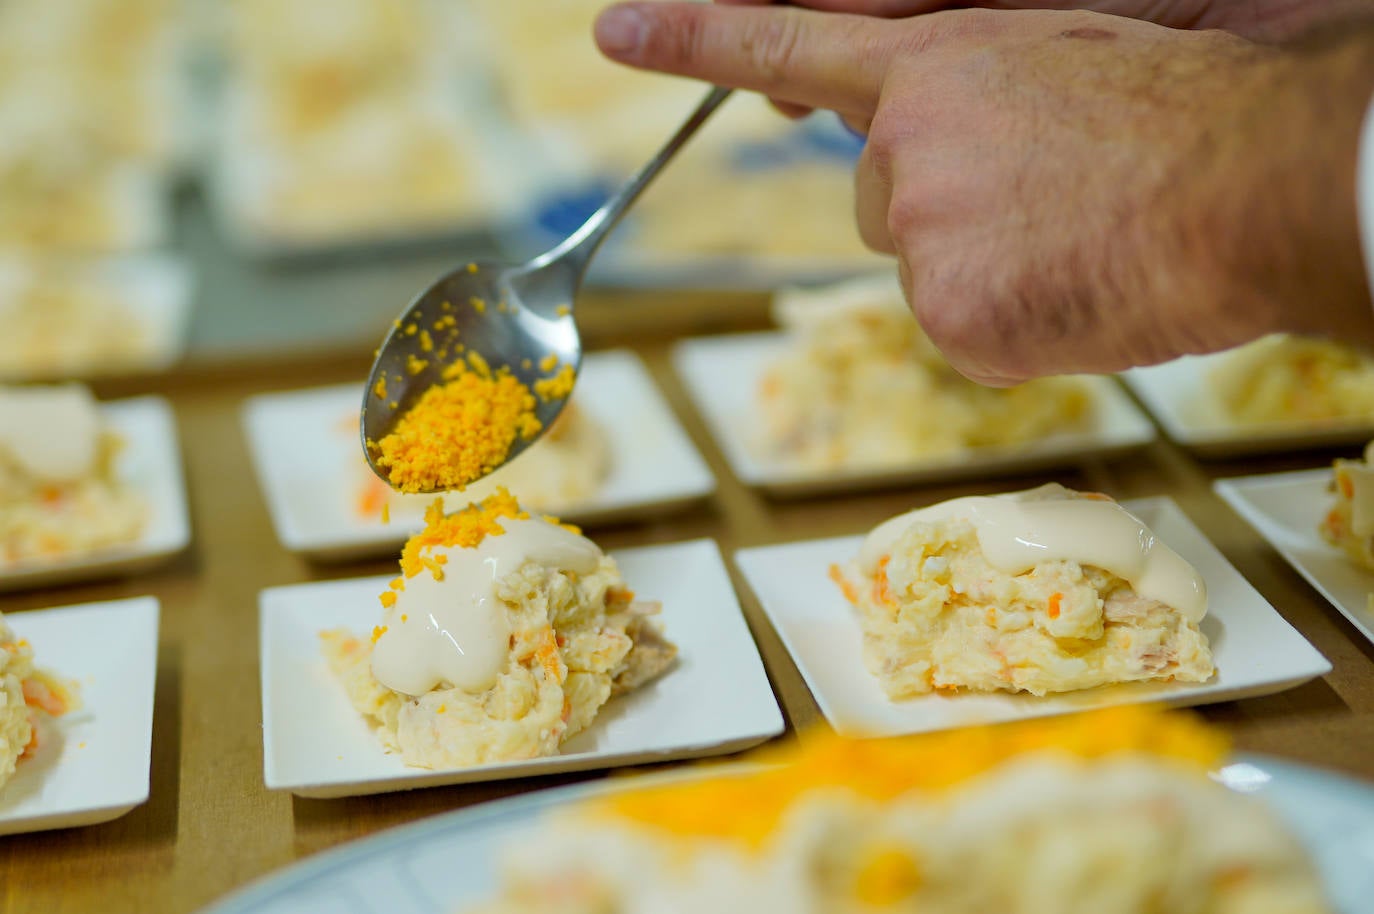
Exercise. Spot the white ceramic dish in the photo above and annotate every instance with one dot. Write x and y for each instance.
(155, 288)
(722, 374)
(450, 862)
(246, 167)
(310, 463)
(151, 463)
(1285, 509)
(1255, 650)
(1177, 394)
(716, 699)
(92, 764)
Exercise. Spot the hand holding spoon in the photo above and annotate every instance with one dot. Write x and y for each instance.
(512, 315)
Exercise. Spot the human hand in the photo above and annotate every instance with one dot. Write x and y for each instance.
(1067, 191)
(1258, 20)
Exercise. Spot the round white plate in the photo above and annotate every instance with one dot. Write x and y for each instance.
(443, 864)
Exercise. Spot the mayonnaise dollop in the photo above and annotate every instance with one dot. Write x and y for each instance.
(1020, 530)
(51, 433)
(456, 632)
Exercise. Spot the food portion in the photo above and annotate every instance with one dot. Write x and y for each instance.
(854, 350)
(781, 183)
(57, 319)
(567, 466)
(501, 639)
(27, 695)
(341, 122)
(60, 495)
(786, 202)
(1349, 524)
(1042, 591)
(88, 104)
(458, 431)
(1290, 380)
(1111, 811)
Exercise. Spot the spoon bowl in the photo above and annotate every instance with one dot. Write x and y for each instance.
(511, 315)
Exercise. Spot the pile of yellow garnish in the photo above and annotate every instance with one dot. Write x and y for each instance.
(558, 386)
(748, 808)
(458, 431)
(463, 529)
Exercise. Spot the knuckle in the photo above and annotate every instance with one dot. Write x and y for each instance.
(677, 40)
(771, 45)
(904, 218)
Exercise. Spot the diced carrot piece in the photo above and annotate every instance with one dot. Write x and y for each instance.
(1055, 600)
(38, 695)
(846, 588)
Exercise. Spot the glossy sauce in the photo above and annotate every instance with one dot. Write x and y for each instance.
(455, 632)
(1019, 531)
(52, 433)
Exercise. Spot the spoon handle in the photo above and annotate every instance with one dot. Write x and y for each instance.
(576, 251)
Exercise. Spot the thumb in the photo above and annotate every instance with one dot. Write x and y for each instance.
(817, 60)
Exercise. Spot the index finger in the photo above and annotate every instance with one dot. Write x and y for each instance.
(820, 60)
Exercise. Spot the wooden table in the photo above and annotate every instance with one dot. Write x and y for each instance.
(210, 826)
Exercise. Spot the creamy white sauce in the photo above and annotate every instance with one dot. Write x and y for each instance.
(52, 433)
(1361, 476)
(455, 632)
(1020, 530)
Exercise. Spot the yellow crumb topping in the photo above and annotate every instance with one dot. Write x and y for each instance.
(472, 268)
(478, 304)
(426, 341)
(380, 387)
(748, 808)
(464, 529)
(415, 364)
(548, 363)
(888, 876)
(459, 430)
(562, 310)
(556, 387)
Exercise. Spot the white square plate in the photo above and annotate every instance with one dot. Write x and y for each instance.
(716, 699)
(1255, 650)
(309, 461)
(1178, 394)
(1285, 509)
(722, 374)
(91, 764)
(150, 462)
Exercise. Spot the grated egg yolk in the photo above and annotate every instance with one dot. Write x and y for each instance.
(458, 431)
(556, 387)
(748, 808)
(465, 529)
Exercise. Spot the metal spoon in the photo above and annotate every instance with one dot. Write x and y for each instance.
(516, 315)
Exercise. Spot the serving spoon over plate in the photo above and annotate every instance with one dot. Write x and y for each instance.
(515, 315)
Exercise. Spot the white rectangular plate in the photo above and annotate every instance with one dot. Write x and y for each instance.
(1178, 394)
(716, 699)
(722, 374)
(1255, 650)
(92, 764)
(309, 460)
(1285, 509)
(151, 463)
